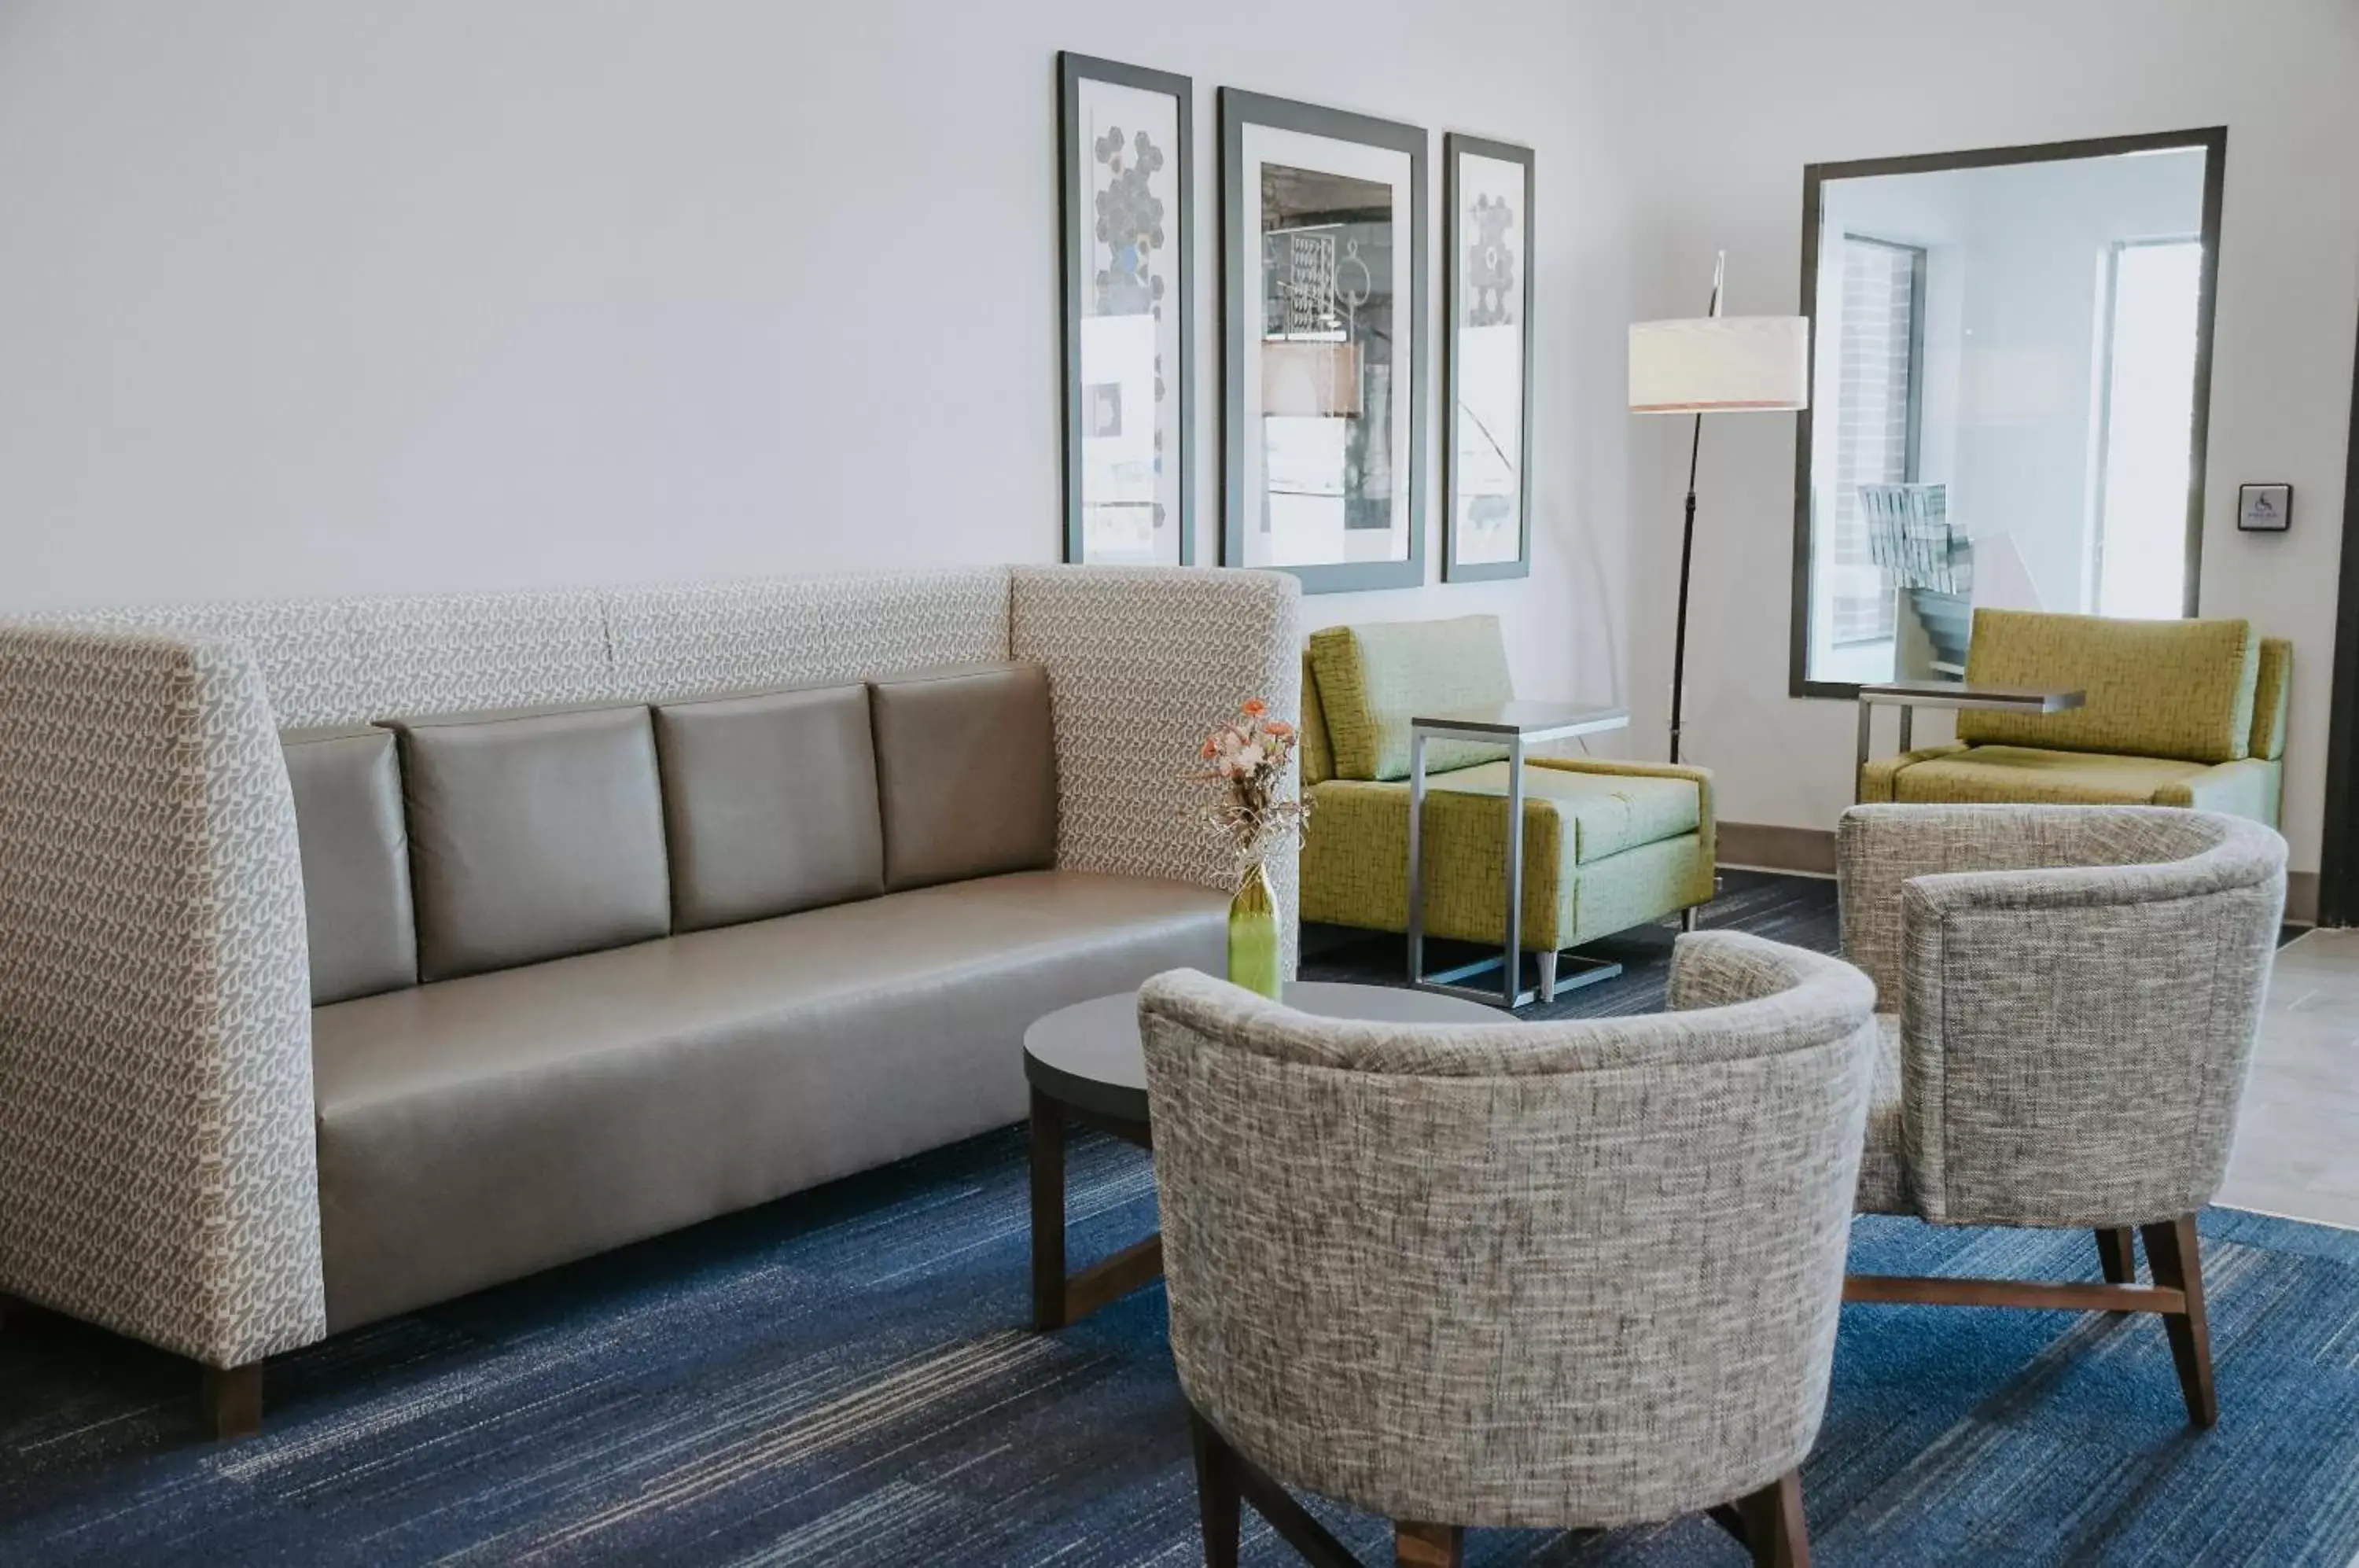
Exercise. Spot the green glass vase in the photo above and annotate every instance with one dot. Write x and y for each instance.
(1252, 935)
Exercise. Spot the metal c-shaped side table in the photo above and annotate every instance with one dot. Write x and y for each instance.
(1516, 726)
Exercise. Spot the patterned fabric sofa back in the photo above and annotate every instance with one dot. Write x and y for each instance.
(343, 661)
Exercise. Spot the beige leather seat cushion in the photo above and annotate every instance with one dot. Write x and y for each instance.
(483, 1128)
(2024, 774)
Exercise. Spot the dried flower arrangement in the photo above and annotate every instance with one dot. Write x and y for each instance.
(1248, 756)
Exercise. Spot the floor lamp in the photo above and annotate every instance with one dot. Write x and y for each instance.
(1716, 364)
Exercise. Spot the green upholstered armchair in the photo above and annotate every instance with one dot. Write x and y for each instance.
(1607, 844)
(2178, 713)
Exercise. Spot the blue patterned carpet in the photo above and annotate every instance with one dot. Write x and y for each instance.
(843, 1378)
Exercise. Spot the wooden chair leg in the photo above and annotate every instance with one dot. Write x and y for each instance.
(232, 1402)
(1774, 1526)
(2174, 1254)
(1217, 1495)
(1428, 1545)
(2117, 1257)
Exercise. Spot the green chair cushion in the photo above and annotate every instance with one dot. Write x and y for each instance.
(2029, 775)
(1602, 852)
(1608, 812)
(1373, 680)
(2269, 699)
(2183, 689)
(1318, 761)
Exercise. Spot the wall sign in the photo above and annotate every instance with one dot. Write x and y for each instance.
(2264, 508)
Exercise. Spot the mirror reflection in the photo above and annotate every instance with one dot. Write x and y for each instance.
(2003, 401)
(1333, 419)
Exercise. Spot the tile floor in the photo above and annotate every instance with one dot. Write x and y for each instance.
(2298, 1144)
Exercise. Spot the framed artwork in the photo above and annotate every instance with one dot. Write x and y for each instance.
(1487, 360)
(1323, 295)
(1126, 233)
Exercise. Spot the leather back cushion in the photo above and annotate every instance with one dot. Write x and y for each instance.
(2181, 690)
(1373, 680)
(356, 904)
(966, 772)
(770, 804)
(533, 835)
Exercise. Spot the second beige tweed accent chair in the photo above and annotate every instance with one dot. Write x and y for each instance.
(1572, 1274)
(2071, 997)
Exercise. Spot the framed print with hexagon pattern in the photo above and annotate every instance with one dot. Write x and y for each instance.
(1487, 360)
(1126, 235)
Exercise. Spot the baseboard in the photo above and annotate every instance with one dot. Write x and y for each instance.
(1765, 846)
(1811, 852)
(2301, 897)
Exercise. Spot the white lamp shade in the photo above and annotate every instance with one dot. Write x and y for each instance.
(1720, 364)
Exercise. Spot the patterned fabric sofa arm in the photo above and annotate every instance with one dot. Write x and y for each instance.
(2074, 1034)
(1143, 662)
(157, 1151)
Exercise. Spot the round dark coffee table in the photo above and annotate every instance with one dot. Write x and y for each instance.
(1085, 1064)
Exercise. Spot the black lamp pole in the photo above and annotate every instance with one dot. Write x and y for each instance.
(1687, 550)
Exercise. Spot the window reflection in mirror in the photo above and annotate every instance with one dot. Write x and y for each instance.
(2005, 398)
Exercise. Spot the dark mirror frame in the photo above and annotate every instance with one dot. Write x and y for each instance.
(2338, 881)
(1455, 147)
(1239, 109)
(2214, 143)
(1073, 70)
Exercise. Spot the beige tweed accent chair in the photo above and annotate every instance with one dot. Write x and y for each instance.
(2070, 996)
(1561, 1275)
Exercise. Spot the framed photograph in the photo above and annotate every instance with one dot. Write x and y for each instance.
(1487, 360)
(2264, 508)
(1324, 296)
(1127, 234)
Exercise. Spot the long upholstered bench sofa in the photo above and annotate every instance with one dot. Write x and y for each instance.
(355, 956)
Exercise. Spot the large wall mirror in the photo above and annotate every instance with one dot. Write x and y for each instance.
(2010, 374)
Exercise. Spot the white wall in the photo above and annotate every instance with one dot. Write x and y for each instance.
(1756, 91)
(325, 295)
(322, 296)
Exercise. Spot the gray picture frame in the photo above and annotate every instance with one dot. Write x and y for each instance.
(1455, 147)
(1073, 274)
(1239, 109)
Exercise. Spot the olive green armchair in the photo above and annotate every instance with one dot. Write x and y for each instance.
(2178, 713)
(1607, 844)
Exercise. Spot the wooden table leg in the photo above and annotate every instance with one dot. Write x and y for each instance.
(1047, 1212)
